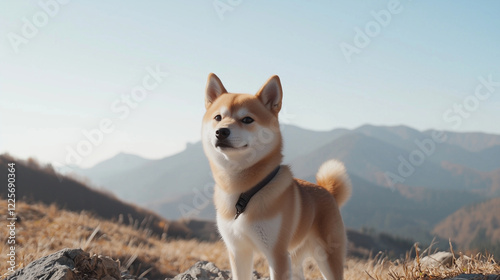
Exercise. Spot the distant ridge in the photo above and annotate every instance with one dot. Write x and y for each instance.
(122, 161)
(446, 176)
(471, 141)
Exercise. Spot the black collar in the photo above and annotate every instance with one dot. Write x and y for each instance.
(245, 197)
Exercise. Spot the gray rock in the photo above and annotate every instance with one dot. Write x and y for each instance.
(58, 266)
(438, 259)
(70, 264)
(204, 270)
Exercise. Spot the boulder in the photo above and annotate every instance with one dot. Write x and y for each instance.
(70, 264)
(58, 266)
(438, 259)
(204, 270)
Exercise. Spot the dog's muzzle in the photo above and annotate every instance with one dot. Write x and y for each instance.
(222, 133)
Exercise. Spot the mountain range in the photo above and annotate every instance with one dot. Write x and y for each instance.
(42, 193)
(405, 181)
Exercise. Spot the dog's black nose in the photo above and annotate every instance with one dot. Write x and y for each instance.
(222, 133)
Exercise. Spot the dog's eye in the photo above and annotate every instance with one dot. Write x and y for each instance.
(218, 118)
(247, 120)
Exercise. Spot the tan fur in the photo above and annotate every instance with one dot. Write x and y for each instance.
(289, 218)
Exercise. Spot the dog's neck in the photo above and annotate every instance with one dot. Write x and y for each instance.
(235, 181)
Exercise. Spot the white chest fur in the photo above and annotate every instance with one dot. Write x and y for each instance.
(262, 234)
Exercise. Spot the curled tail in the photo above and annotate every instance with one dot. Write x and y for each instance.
(332, 176)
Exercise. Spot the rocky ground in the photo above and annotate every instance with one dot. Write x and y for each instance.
(76, 264)
(73, 264)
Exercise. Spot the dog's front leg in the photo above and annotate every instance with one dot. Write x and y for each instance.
(279, 265)
(241, 260)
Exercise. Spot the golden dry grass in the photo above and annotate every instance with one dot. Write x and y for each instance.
(46, 229)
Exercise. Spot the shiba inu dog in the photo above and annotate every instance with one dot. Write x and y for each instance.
(260, 206)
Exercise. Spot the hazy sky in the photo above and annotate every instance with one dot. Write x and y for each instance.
(81, 81)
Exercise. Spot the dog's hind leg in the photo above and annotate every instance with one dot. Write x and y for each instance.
(332, 266)
(297, 260)
(330, 254)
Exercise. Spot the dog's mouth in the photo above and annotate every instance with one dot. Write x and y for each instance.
(224, 145)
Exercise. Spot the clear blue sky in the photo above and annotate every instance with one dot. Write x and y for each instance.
(65, 67)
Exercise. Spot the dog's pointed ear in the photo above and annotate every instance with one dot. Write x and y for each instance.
(214, 89)
(271, 94)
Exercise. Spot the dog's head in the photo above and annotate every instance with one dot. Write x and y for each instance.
(239, 130)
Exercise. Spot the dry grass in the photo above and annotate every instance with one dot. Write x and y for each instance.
(411, 269)
(46, 229)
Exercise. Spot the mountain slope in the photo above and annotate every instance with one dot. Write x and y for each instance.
(398, 136)
(471, 141)
(473, 150)
(402, 214)
(37, 184)
(40, 184)
(474, 226)
(490, 157)
(309, 140)
(158, 180)
(372, 159)
(361, 154)
(119, 164)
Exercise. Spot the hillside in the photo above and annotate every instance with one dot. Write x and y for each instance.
(474, 227)
(43, 230)
(36, 183)
(46, 229)
(408, 213)
(372, 157)
(121, 163)
(314, 139)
